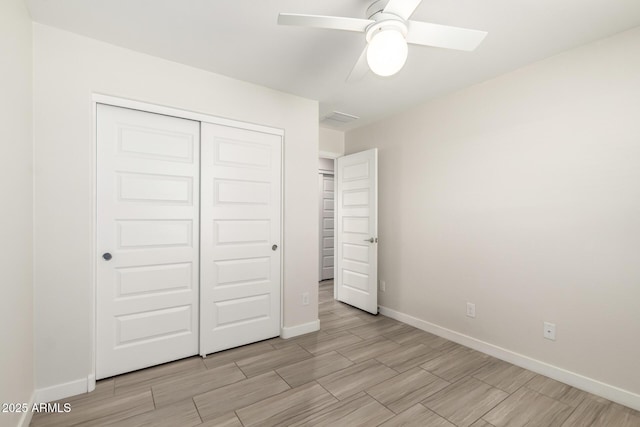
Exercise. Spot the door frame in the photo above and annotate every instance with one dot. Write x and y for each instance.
(98, 98)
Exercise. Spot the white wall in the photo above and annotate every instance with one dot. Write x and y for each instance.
(16, 214)
(522, 195)
(331, 142)
(68, 69)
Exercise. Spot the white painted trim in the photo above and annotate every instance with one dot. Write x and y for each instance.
(183, 114)
(613, 393)
(91, 383)
(282, 244)
(320, 223)
(328, 155)
(94, 247)
(25, 419)
(60, 391)
(305, 328)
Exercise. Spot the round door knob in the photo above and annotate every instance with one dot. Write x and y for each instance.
(274, 247)
(107, 256)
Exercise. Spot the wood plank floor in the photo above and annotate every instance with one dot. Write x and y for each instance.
(359, 370)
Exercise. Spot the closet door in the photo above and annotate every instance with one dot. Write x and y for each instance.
(327, 220)
(240, 237)
(147, 239)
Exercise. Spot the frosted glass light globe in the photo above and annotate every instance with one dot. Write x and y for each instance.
(387, 52)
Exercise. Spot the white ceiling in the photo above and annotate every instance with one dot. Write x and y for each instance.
(240, 38)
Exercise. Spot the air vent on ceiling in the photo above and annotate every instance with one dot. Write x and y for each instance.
(338, 119)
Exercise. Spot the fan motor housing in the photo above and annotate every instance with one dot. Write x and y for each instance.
(383, 20)
(385, 24)
(376, 7)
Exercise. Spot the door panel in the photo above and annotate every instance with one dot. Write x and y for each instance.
(327, 214)
(240, 222)
(147, 219)
(357, 230)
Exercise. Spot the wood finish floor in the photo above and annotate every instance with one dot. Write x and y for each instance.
(359, 370)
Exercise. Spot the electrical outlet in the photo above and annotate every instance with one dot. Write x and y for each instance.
(383, 286)
(305, 298)
(471, 309)
(549, 331)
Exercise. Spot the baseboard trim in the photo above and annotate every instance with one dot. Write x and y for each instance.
(91, 383)
(305, 328)
(613, 393)
(60, 391)
(25, 419)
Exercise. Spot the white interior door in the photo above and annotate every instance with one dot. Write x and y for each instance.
(240, 241)
(357, 230)
(147, 239)
(327, 219)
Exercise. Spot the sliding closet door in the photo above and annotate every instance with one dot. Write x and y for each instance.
(147, 239)
(240, 237)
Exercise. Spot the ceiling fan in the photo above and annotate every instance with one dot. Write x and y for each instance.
(388, 30)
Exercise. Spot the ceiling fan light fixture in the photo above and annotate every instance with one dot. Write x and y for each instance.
(388, 30)
(387, 52)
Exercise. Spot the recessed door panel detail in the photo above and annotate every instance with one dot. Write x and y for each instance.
(358, 253)
(230, 232)
(243, 310)
(153, 143)
(155, 188)
(327, 243)
(238, 153)
(239, 271)
(237, 191)
(148, 279)
(139, 327)
(355, 198)
(355, 171)
(355, 225)
(134, 234)
(355, 280)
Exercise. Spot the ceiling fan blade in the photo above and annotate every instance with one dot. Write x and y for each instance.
(360, 68)
(444, 36)
(329, 22)
(402, 8)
